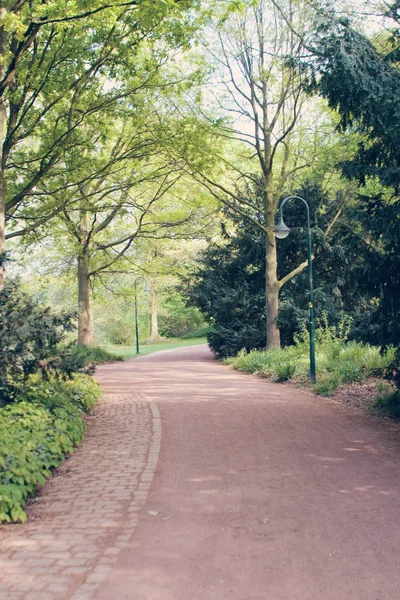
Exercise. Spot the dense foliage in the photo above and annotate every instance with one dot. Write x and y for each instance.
(202, 332)
(30, 335)
(77, 358)
(229, 282)
(31, 343)
(177, 319)
(362, 82)
(45, 399)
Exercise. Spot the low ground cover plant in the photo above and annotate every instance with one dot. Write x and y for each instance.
(44, 396)
(339, 361)
(37, 430)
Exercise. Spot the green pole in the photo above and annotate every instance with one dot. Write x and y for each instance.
(281, 231)
(311, 306)
(136, 309)
(136, 321)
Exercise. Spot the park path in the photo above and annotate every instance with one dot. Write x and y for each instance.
(261, 492)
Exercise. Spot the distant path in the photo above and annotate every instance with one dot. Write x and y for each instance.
(261, 492)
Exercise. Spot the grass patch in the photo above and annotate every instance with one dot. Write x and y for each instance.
(327, 384)
(130, 351)
(284, 371)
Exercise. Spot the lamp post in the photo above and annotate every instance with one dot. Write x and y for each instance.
(281, 231)
(136, 308)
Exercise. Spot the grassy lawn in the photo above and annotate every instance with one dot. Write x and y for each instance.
(130, 351)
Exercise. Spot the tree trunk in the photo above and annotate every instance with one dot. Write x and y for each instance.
(271, 264)
(84, 318)
(271, 292)
(154, 335)
(3, 125)
(2, 228)
(84, 312)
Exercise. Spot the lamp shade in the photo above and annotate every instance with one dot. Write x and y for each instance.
(281, 230)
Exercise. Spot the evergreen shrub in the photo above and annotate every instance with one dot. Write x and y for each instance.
(30, 337)
(31, 344)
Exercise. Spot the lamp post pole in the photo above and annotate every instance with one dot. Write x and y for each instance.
(281, 231)
(136, 310)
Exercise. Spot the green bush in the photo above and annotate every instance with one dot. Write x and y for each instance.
(338, 361)
(80, 391)
(328, 384)
(177, 319)
(36, 432)
(30, 335)
(253, 361)
(389, 405)
(284, 371)
(84, 358)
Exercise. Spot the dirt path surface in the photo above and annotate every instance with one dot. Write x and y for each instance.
(261, 492)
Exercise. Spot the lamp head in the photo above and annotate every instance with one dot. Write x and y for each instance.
(281, 230)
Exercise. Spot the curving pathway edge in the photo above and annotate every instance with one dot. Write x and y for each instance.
(87, 514)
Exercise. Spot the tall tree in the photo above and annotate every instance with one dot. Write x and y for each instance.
(63, 64)
(261, 85)
(228, 281)
(361, 80)
(105, 226)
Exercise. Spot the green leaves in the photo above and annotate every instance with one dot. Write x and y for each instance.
(45, 420)
(35, 435)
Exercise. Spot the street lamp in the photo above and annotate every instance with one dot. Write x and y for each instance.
(136, 307)
(281, 231)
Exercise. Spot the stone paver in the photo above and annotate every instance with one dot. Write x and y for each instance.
(87, 513)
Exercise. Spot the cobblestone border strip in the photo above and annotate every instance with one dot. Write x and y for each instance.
(87, 513)
(87, 590)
